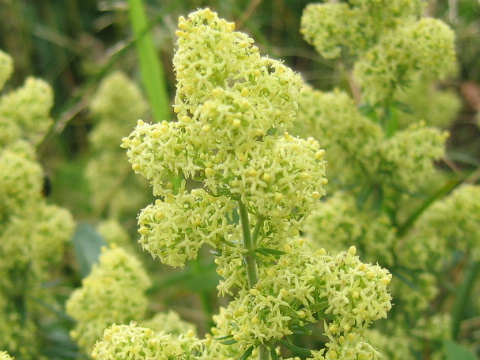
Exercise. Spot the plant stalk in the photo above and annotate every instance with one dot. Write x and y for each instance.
(250, 262)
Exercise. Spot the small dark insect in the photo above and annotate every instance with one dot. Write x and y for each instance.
(47, 186)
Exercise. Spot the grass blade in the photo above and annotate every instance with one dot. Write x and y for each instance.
(150, 67)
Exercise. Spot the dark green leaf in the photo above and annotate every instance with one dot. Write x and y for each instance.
(273, 353)
(463, 296)
(267, 251)
(87, 243)
(229, 342)
(246, 354)
(296, 349)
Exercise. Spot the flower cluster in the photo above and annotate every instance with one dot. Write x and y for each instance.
(361, 148)
(229, 175)
(33, 233)
(356, 25)
(113, 292)
(415, 52)
(394, 46)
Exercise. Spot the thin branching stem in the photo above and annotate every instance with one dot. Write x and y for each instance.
(252, 275)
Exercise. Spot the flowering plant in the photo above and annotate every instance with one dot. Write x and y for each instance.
(246, 187)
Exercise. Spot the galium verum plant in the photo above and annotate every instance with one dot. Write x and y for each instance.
(246, 188)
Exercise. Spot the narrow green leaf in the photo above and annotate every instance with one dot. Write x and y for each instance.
(223, 337)
(267, 251)
(246, 354)
(453, 351)
(296, 349)
(151, 69)
(229, 342)
(444, 190)
(463, 295)
(273, 353)
(87, 243)
(392, 121)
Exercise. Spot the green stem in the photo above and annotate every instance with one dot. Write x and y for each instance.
(252, 275)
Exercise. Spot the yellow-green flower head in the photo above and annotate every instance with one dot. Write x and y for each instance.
(356, 292)
(352, 346)
(6, 68)
(356, 25)
(21, 181)
(32, 244)
(175, 229)
(116, 105)
(409, 155)
(170, 323)
(434, 106)
(424, 48)
(113, 292)
(4, 356)
(339, 224)
(28, 107)
(299, 287)
(223, 82)
(132, 342)
(346, 134)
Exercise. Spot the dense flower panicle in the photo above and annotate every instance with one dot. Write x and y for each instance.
(223, 82)
(410, 154)
(299, 288)
(28, 107)
(230, 138)
(113, 292)
(356, 25)
(175, 229)
(346, 134)
(231, 152)
(6, 68)
(33, 245)
(132, 342)
(361, 148)
(21, 181)
(422, 49)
